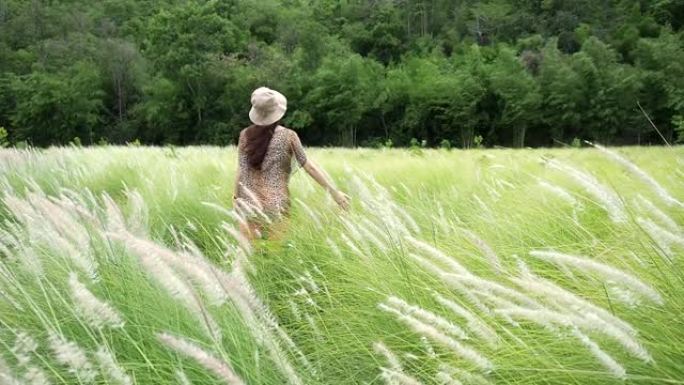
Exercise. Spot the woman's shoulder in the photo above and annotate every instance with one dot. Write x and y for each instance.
(287, 131)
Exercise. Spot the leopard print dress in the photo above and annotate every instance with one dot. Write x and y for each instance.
(266, 189)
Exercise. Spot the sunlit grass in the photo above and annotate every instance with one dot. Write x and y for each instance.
(324, 279)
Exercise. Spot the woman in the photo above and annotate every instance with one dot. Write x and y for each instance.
(265, 156)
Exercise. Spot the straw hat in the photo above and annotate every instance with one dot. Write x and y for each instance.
(268, 106)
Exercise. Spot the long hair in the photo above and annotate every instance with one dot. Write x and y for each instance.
(257, 139)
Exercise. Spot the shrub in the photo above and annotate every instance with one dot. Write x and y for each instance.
(4, 142)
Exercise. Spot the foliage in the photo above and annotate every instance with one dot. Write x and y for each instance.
(515, 73)
(56, 107)
(4, 142)
(445, 144)
(146, 232)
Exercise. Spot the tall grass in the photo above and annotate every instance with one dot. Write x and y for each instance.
(123, 266)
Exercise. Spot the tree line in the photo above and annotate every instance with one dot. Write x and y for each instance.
(356, 72)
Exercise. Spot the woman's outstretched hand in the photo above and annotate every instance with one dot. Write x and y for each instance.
(341, 198)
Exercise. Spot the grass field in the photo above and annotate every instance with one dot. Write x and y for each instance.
(121, 265)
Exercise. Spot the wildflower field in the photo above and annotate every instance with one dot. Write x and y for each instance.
(122, 265)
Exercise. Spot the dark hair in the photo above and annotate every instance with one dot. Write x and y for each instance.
(257, 139)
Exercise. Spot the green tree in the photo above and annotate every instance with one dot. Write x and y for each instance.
(182, 43)
(563, 95)
(612, 90)
(181, 72)
(57, 107)
(518, 94)
(378, 33)
(440, 98)
(124, 76)
(342, 92)
(661, 61)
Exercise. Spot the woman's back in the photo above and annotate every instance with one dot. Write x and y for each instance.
(265, 153)
(266, 186)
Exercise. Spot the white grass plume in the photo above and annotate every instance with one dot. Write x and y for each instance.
(78, 209)
(445, 224)
(61, 220)
(243, 208)
(312, 214)
(389, 355)
(353, 231)
(498, 301)
(241, 239)
(474, 323)
(562, 299)
(380, 232)
(604, 358)
(151, 258)
(483, 206)
(454, 284)
(623, 296)
(69, 354)
(6, 376)
(309, 281)
(97, 313)
(438, 255)
(71, 243)
(371, 235)
(34, 376)
(426, 316)
(444, 378)
(484, 248)
(254, 200)
(405, 217)
(641, 174)
(607, 272)
(648, 207)
(7, 297)
(111, 368)
(138, 218)
(24, 346)
(318, 334)
(395, 373)
(468, 378)
(587, 321)
(495, 288)
(605, 196)
(263, 324)
(663, 238)
(196, 268)
(428, 347)
(333, 247)
(560, 193)
(115, 219)
(182, 378)
(393, 377)
(225, 211)
(352, 246)
(30, 260)
(441, 338)
(218, 367)
(294, 308)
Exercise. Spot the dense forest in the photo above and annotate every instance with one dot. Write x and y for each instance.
(456, 73)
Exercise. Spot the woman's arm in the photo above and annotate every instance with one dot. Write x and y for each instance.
(319, 176)
(316, 173)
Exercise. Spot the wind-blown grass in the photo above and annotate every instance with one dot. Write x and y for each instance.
(124, 266)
